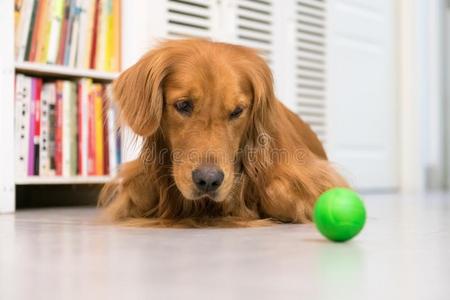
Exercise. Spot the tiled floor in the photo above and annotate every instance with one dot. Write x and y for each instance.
(403, 253)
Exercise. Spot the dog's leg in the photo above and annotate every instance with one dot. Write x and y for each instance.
(129, 195)
(291, 197)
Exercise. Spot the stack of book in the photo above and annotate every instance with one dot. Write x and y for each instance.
(64, 128)
(76, 33)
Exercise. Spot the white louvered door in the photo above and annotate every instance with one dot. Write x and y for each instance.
(332, 64)
(310, 63)
(244, 22)
(299, 72)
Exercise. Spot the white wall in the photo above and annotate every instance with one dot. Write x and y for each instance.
(143, 24)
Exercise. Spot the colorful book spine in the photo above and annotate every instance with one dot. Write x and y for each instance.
(73, 129)
(44, 39)
(56, 19)
(91, 133)
(116, 43)
(105, 139)
(84, 86)
(41, 32)
(22, 123)
(85, 56)
(64, 33)
(109, 37)
(17, 10)
(46, 167)
(23, 29)
(75, 34)
(84, 6)
(70, 131)
(36, 30)
(68, 40)
(95, 35)
(64, 128)
(52, 130)
(112, 136)
(44, 164)
(31, 131)
(37, 90)
(31, 27)
(102, 30)
(34, 133)
(98, 119)
(59, 130)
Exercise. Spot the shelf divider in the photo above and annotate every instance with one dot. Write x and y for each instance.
(52, 180)
(63, 71)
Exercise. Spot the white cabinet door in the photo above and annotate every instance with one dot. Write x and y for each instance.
(361, 93)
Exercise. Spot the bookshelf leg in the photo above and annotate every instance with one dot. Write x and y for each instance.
(7, 199)
(7, 180)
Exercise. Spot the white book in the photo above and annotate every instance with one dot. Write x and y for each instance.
(112, 139)
(56, 14)
(22, 123)
(47, 99)
(74, 39)
(83, 35)
(73, 129)
(23, 30)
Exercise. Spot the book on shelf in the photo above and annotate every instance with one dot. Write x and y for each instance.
(64, 128)
(75, 33)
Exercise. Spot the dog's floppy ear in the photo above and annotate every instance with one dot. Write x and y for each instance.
(138, 92)
(260, 139)
(260, 81)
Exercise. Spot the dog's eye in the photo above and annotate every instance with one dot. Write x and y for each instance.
(184, 107)
(236, 112)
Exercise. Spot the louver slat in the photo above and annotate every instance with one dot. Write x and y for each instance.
(189, 18)
(254, 25)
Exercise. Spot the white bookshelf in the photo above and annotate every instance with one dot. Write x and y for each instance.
(8, 68)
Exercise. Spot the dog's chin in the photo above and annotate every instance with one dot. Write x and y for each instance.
(199, 196)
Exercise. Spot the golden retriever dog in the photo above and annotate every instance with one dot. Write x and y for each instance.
(219, 149)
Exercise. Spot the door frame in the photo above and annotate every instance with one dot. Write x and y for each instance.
(421, 93)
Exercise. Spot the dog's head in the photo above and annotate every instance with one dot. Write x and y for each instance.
(210, 102)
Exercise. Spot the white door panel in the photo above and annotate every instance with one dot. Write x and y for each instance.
(361, 92)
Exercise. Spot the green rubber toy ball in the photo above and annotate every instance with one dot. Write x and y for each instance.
(339, 214)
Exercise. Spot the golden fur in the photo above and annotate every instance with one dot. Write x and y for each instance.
(275, 167)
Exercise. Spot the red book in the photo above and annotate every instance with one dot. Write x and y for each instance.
(91, 135)
(64, 29)
(80, 128)
(59, 129)
(94, 33)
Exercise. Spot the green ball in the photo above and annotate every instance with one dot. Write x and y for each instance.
(339, 214)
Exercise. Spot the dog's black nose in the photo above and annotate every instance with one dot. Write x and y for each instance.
(207, 178)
